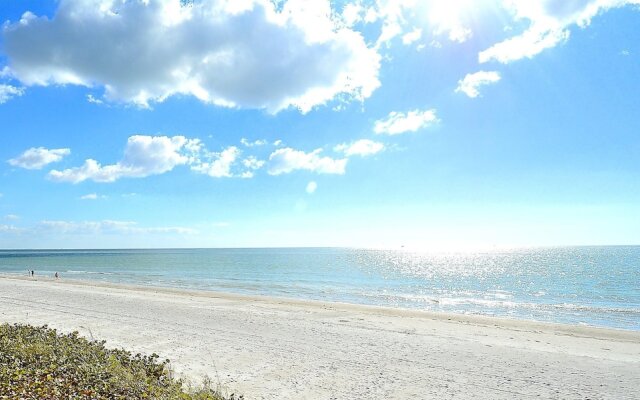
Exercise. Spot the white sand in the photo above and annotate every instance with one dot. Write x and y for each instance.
(268, 348)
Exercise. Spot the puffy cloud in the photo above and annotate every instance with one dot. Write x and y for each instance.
(38, 157)
(549, 21)
(143, 156)
(362, 147)
(471, 82)
(220, 164)
(107, 227)
(311, 187)
(91, 169)
(11, 217)
(253, 53)
(399, 122)
(149, 155)
(286, 160)
(7, 92)
(154, 155)
(252, 164)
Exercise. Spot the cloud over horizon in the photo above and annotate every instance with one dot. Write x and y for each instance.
(106, 227)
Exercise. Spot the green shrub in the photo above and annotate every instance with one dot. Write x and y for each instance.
(39, 363)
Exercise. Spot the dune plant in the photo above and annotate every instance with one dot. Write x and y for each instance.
(41, 363)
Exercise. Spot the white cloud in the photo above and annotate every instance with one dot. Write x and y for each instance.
(392, 15)
(362, 147)
(252, 163)
(11, 217)
(471, 82)
(107, 227)
(460, 34)
(527, 45)
(38, 157)
(449, 18)
(414, 19)
(286, 160)
(153, 155)
(549, 23)
(412, 36)
(311, 187)
(220, 164)
(143, 156)
(254, 53)
(92, 99)
(7, 92)
(352, 13)
(247, 143)
(10, 229)
(399, 122)
(92, 196)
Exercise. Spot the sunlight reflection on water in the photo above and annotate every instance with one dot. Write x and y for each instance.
(592, 285)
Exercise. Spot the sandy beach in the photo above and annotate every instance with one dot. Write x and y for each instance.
(268, 348)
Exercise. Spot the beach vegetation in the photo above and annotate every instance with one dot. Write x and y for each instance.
(41, 363)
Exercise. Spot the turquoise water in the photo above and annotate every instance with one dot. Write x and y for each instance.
(585, 285)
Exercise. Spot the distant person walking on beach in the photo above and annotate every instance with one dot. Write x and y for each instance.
(32, 273)
(56, 275)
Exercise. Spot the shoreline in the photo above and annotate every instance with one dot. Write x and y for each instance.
(272, 348)
(478, 319)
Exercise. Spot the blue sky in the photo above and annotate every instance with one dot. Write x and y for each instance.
(429, 124)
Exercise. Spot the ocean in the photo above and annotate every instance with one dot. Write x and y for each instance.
(597, 286)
